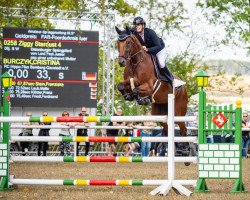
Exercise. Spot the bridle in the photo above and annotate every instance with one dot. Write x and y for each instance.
(128, 54)
(129, 57)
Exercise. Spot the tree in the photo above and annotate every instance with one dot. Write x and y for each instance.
(184, 69)
(234, 15)
(162, 16)
(170, 19)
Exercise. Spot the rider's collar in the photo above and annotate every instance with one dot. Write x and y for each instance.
(141, 33)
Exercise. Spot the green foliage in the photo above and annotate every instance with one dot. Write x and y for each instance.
(169, 17)
(100, 73)
(231, 14)
(122, 7)
(28, 11)
(185, 69)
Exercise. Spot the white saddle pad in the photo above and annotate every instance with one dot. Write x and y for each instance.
(178, 83)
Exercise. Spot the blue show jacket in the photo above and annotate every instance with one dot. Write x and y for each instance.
(153, 43)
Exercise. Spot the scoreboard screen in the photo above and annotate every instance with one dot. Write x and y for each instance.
(51, 68)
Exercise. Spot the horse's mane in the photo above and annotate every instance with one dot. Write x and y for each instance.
(136, 41)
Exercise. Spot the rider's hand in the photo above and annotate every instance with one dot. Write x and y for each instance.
(145, 48)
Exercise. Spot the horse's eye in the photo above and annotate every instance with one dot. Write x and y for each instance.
(128, 43)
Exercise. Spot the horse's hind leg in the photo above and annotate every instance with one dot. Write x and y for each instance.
(184, 147)
(183, 133)
(183, 129)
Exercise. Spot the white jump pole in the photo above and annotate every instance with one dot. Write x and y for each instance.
(171, 146)
(97, 159)
(14, 181)
(171, 183)
(88, 139)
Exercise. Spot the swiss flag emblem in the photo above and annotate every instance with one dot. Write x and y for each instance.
(219, 120)
(8, 98)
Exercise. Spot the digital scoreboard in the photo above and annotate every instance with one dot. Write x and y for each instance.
(51, 68)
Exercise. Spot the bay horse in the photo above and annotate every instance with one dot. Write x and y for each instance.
(140, 81)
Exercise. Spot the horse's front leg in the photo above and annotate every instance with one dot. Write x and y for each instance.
(142, 94)
(127, 96)
(140, 100)
(184, 147)
(183, 129)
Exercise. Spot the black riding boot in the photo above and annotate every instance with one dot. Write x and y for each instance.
(168, 74)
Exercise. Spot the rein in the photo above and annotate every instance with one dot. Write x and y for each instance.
(142, 57)
(129, 57)
(132, 64)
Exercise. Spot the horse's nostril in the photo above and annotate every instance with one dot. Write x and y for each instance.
(122, 62)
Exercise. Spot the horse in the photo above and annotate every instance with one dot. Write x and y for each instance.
(141, 84)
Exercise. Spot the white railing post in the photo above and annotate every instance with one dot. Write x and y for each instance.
(171, 183)
(171, 144)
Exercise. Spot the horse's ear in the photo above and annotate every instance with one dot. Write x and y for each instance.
(128, 31)
(118, 30)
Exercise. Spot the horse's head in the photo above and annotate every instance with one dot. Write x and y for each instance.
(126, 45)
(131, 56)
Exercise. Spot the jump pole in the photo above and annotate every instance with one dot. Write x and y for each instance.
(98, 139)
(80, 182)
(155, 118)
(121, 159)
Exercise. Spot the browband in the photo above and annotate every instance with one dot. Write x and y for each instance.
(123, 37)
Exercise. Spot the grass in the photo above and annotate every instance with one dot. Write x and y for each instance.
(220, 189)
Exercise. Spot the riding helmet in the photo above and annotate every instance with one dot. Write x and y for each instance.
(139, 20)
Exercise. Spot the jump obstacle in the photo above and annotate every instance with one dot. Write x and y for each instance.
(99, 159)
(215, 160)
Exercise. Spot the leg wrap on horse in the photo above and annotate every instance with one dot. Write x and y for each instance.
(140, 100)
(126, 96)
(121, 88)
(143, 101)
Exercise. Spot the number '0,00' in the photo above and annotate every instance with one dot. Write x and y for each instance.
(19, 73)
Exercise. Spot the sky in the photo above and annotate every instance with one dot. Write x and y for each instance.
(225, 52)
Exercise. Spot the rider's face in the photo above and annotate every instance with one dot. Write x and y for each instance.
(139, 28)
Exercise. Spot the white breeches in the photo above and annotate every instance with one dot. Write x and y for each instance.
(161, 55)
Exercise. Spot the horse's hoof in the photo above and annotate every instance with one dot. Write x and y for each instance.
(140, 102)
(187, 163)
(128, 98)
(147, 101)
(121, 88)
(143, 101)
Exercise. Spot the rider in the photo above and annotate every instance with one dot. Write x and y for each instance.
(152, 44)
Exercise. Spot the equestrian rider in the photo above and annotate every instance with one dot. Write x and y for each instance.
(152, 44)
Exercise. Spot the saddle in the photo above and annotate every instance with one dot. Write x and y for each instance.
(159, 74)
